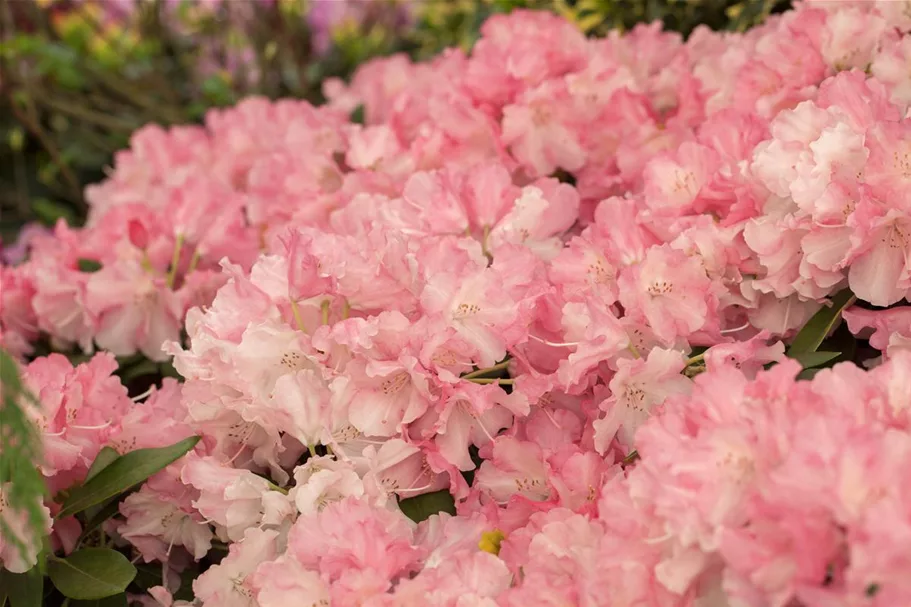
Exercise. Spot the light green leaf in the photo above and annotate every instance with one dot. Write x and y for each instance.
(20, 452)
(817, 328)
(127, 471)
(105, 458)
(91, 573)
(422, 507)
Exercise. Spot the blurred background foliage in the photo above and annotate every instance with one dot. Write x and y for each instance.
(78, 76)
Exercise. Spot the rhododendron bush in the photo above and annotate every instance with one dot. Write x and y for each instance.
(564, 321)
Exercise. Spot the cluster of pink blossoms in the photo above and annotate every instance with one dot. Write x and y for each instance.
(574, 215)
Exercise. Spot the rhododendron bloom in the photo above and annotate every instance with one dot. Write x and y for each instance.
(636, 389)
(547, 286)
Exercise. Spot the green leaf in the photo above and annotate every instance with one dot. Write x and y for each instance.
(817, 328)
(146, 367)
(98, 516)
(422, 507)
(127, 471)
(88, 265)
(49, 211)
(105, 458)
(91, 573)
(357, 115)
(20, 446)
(117, 600)
(815, 359)
(22, 589)
(808, 374)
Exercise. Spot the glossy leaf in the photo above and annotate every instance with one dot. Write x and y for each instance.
(818, 328)
(815, 359)
(105, 458)
(124, 473)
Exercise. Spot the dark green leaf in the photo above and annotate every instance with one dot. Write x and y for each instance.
(105, 458)
(817, 328)
(815, 359)
(357, 115)
(147, 575)
(185, 592)
(22, 589)
(91, 573)
(146, 367)
(422, 507)
(167, 370)
(127, 471)
(88, 265)
(808, 374)
(100, 515)
(117, 600)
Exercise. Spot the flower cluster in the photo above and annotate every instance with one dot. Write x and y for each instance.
(492, 289)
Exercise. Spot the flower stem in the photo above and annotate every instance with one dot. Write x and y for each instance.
(491, 380)
(194, 261)
(695, 359)
(479, 372)
(297, 316)
(275, 487)
(175, 261)
(324, 309)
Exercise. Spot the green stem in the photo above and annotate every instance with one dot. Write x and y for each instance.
(695, 359)
(492, 380)
(480, 372)
(275, 487)
(312, 450)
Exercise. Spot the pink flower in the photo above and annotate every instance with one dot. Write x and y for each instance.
(881, 327)
(401, 469)
(357, 548)
(230, 583)
(516, 468)
(155, 525)
(322, 481)
(233, 499)
(472, 414)
(670, 291)
(284, 581)
(638, 387)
